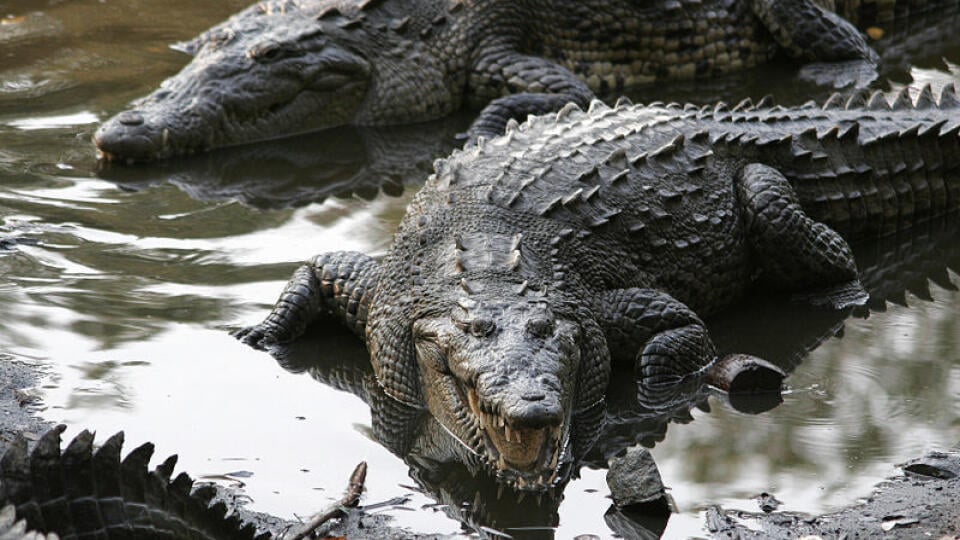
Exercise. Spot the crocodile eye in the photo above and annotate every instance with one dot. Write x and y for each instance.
(267, 52)
(541, 328)
(220, 38)
(481, 327)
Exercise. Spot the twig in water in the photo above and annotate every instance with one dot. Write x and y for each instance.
(337, 509)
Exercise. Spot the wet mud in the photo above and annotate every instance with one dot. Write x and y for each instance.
(923, 501)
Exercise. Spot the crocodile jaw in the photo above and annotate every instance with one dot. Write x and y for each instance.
(528, 458)
(267, 78)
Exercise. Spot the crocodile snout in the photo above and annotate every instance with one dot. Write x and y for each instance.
(537, 413)
(128, 136)
(525, 402)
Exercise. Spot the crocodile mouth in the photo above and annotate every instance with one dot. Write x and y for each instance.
(527, 458)
(155, 130)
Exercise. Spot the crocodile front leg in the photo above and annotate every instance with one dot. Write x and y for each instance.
(811, 33)
(667, 341)
(338, 284)
(794, 251)
(536, 86)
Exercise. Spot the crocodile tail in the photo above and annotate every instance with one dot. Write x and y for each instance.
(889, 177)
(13, 529)
(863, 164)
(87, 493)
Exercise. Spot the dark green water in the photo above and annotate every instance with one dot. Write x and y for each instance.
(137, 275)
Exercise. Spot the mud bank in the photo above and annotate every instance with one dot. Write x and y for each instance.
(18, 402)
(923, 501)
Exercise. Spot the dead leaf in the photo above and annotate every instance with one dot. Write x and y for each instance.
(892, 522)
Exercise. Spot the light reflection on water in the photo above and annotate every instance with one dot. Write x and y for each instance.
(130, 293)
(57, 121)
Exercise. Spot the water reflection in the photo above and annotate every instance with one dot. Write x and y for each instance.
(341, 162)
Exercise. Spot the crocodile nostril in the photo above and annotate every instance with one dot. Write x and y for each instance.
(130, 118)
(534, 396)
(535, 414)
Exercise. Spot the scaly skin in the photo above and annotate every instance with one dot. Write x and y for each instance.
(83, 493)
(530, 262)
(283, 67)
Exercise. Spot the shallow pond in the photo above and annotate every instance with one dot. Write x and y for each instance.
(127, 280)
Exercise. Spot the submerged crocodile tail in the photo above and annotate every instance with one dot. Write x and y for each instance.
(87, 493)
(866, 166)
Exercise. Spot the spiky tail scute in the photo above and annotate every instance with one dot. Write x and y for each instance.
(863, 165)
(83, 493)
(13, 529)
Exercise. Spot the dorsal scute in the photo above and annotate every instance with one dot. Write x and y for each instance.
(623, 102)
(925, 99)
(745, 105)
(617, 158)
(368, 5)
(948, 97)
(878, 102)
(479, 252)
(569, 111)
(668, 149)
(597, 107)
(903, 101)
(857, 100)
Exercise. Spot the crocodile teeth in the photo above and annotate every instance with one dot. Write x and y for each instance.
(556, 456)
(509, 433)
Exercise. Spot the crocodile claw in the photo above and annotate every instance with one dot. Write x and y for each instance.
(259, 336)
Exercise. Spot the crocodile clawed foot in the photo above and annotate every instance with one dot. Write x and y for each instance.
(850, 294)
(258, 336)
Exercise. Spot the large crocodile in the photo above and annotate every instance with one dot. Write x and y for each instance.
(282, 67)
(530, 262)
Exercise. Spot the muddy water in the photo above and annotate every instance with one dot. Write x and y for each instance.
(122, 284)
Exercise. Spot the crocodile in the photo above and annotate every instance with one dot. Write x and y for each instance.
(531, 262)
(283, 67)
(82, 493)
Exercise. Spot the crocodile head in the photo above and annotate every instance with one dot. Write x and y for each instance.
(265, 73)
(501, 377)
